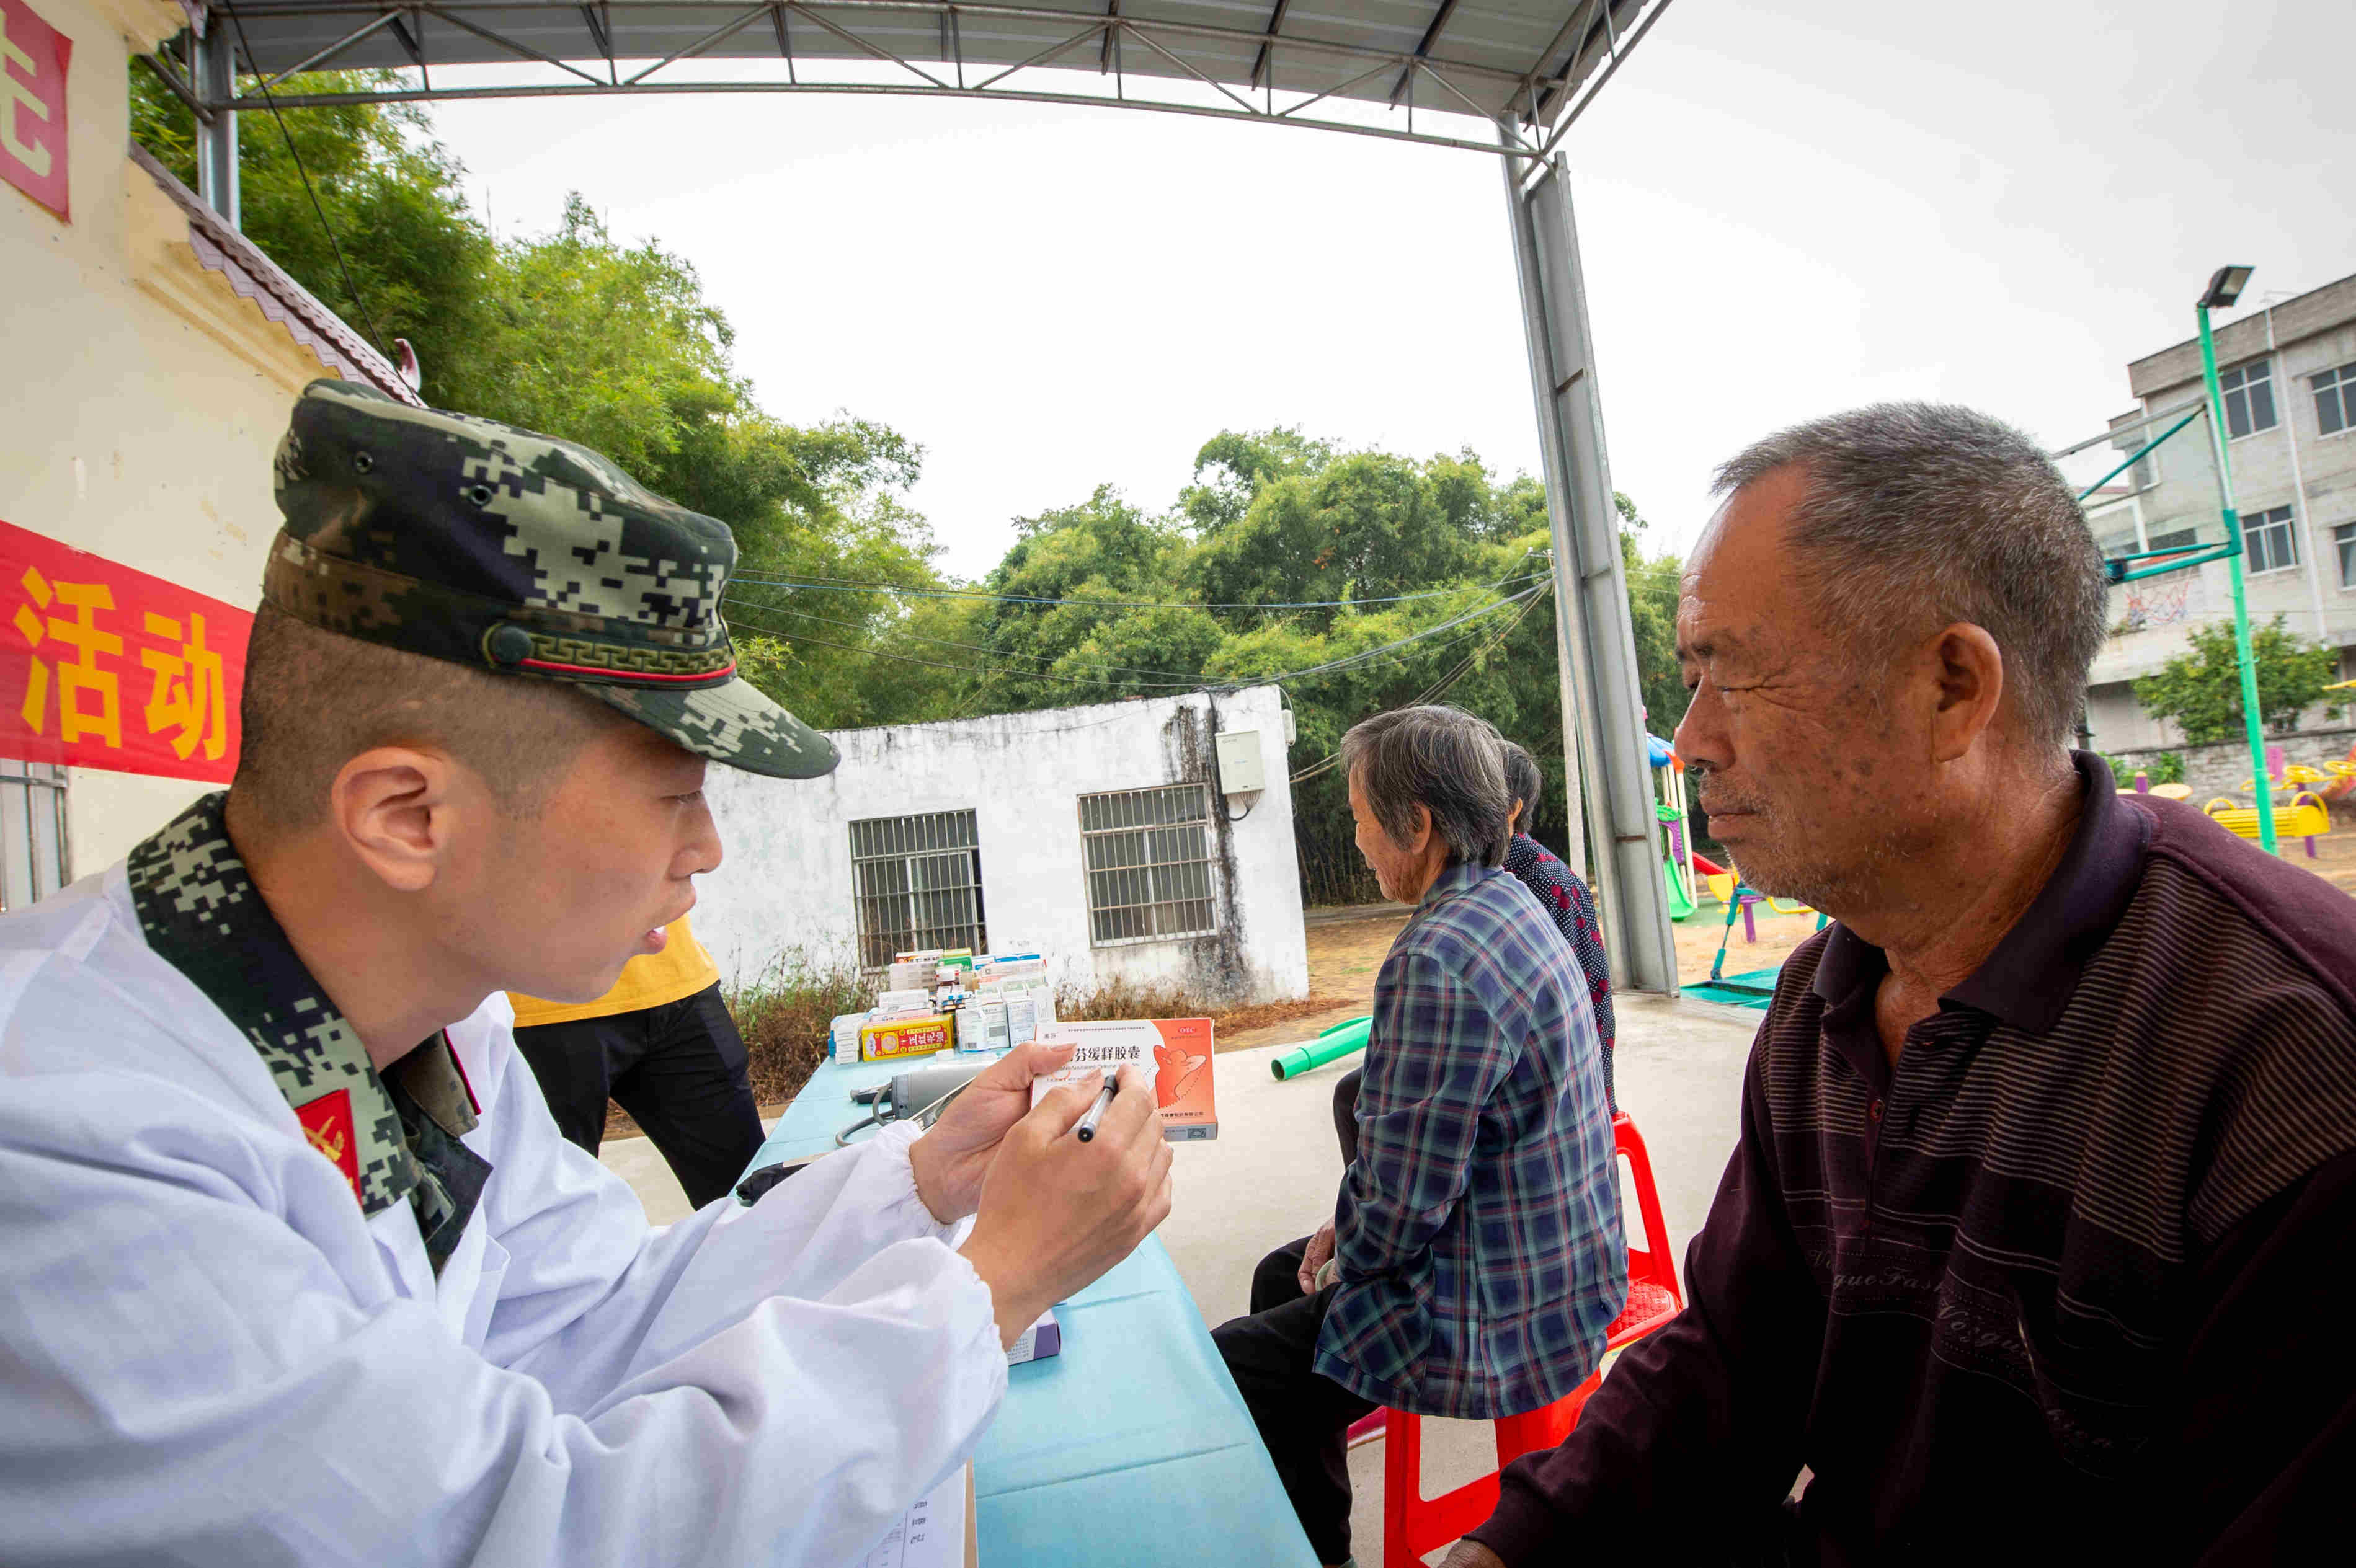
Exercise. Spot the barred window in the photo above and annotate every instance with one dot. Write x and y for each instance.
(917, 883)
(34, 861)
(2249, 397)
(1148, 854)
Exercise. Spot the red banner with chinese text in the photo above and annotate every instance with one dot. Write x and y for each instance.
(102, 666)
(34, 57)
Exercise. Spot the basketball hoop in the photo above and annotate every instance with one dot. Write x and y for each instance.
(2158, 601)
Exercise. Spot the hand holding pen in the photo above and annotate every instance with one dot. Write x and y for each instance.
(1096, 1112)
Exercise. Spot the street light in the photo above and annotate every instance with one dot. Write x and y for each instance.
(2225, 285)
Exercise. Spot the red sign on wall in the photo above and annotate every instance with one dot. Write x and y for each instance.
(102, 666)
(33, 58)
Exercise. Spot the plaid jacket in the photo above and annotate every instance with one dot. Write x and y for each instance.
(1478, 1229)
(1566, 899)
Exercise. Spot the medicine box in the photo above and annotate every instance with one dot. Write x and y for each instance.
(1036, 1343)
(981, 1026)
(1176, 1052)
(889, 1039)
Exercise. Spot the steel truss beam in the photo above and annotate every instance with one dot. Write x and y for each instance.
(1354, 65)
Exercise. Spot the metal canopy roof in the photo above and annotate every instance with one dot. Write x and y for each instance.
(1527, 66)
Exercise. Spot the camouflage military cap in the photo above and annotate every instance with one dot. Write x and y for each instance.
(464, 539)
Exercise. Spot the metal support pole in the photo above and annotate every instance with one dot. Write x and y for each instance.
(1603, 732)
(215, 72)
(2253, 722)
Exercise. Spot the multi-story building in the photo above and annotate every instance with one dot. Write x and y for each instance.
(2288, 375)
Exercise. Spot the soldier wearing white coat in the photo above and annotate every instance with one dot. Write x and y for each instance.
(297, 1267)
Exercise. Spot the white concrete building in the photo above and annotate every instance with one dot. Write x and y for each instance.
(2288, 375)
(1149, 841)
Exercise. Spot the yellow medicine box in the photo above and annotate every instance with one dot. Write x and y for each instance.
(890, 1039)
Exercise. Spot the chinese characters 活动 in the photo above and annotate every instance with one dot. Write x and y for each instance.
(188, 698)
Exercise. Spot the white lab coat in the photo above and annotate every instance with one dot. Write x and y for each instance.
(207, 1355)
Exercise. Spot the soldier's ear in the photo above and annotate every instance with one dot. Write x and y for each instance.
(395, 808)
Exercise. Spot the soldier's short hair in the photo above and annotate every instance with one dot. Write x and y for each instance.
(314, 699)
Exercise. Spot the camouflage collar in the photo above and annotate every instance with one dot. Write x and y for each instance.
(202, 914)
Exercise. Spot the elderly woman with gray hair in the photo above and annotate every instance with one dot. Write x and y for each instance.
(1476, 1238)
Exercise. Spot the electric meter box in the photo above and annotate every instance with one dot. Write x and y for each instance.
(1241, 771)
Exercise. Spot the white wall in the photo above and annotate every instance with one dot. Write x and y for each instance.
(786, 883)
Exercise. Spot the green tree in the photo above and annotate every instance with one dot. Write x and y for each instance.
(1239, 466)
(1653, 616)
(2200, 689)
(617, 347)
(424, 269)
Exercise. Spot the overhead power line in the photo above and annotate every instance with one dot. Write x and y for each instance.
(732, 597)
(1438, 688)
(376, 338)
(848, 587)
(1368, 656)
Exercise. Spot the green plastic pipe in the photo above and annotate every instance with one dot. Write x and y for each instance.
(1331, 1046)
(2253, 722)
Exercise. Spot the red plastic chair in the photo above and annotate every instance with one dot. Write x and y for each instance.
(1414, 1524)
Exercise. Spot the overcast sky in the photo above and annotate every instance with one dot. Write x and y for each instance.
(1785, 208)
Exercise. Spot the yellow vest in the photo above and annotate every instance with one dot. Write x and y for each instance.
(680, 969)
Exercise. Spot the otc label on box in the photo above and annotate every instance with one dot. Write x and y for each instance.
(1177, 1052)
(894, 1037)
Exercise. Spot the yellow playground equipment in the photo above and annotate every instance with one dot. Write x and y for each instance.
(2306, 817)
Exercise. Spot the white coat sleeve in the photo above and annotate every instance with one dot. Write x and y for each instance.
(593, 1296)
(184, 1377)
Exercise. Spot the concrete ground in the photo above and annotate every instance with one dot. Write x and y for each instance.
(1271, 1174)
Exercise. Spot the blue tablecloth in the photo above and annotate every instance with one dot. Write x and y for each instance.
(824, 1108)
(1131, 1449)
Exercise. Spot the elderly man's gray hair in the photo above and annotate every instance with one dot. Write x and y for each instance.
(1443, 759)
(1916, 515)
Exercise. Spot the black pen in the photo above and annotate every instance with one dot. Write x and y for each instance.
(1096, 1111)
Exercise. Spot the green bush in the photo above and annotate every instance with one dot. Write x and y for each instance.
(784, 1015)
(2161, 767)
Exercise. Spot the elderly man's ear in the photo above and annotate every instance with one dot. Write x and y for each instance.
(1967, 669)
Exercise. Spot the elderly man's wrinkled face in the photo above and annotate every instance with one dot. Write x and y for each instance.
(1794, 741)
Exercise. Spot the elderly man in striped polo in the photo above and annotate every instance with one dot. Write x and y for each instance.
(2034, 1243)
(1476, 1251)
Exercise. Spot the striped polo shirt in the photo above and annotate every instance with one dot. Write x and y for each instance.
(2074, 1279)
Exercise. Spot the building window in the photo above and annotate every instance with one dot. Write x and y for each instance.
(2344, 538)
(2268, 540)
(917, 883)
(34, 861)
(2335, 400)
(1148, 854)
(2249, 398)
(2177, 538)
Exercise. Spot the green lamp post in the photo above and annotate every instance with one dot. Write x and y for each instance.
(2224, 287)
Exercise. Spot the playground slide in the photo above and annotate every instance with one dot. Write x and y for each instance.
(1681, 903)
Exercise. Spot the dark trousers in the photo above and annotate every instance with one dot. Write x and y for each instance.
(677, 1069)
(1345, 1113)
(1303, 1416)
